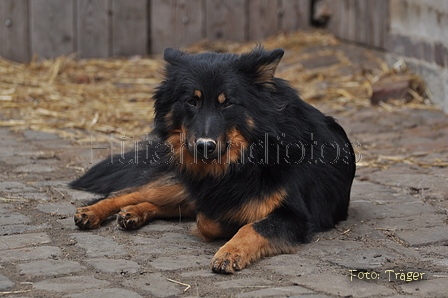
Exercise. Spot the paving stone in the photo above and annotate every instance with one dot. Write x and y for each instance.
(437, 287)
(62, 208)
(116, 266)
(160, 226)
(180, 262)
(291, 264)
(340, 285)
(440, 250)
(28, 254)
(50, 267)
(5, 208)
(431, 185)
(156, 284)
(98, 246)
(70, 284)
(13, 187)
(369, 210)
(325, 247)
(12, 218)
(409, 222)
(361, 258)
(424, 236)
(106, 293)
(33, 168)
(200, 273)
(36, 196)
(280, 291)
(20, 229)
(39, 135)
(5, 282)
(78, 195)
(249, 283)
(30, 239)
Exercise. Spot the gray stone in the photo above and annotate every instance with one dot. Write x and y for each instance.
(291, 264)
(424, 236)
(13, 187)
(437, 287)
(28, 254)
(39, 135)
(199, 273)
(243, 283)
(36, 196)
(280, 291)
(98, 246)
(105, 293)
(180, 262)
(15, 241)
(325, 247)
(409, 222)
(33, 168)
(361, 258)
(70, 284)
(160, 226)
(156, 284)
(117, 266)
(340, 285)
(5, 282)
(13, 218)
(61, 208)
(369, 210)
(50, 267)
(19, 229)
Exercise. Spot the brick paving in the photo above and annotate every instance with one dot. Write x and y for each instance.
(397, 224)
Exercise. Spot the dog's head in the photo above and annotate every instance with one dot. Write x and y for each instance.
(212, 101)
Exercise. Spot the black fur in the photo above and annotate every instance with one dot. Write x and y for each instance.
(292, 146)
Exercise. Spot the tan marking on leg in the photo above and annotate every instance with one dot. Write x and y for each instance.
(244, 248)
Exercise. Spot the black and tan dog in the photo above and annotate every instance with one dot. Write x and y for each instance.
(236, 149)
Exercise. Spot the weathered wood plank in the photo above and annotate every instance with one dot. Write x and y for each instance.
(93, 34)
(14, 42)
(52, 28)
(175, 23)
(295, 14)
(129, 27)
(225, 19)
(380, 23)
(263, 19)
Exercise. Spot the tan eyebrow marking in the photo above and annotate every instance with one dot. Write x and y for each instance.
(221, 98)
(197, 93)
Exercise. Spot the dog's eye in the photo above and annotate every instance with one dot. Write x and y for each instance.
(192, 102)
(227, 104)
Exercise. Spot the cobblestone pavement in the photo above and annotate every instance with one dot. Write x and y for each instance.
(394, 244)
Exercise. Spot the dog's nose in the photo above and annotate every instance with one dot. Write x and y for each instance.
(205, 146)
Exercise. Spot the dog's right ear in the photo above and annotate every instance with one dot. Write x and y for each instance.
(172, 56)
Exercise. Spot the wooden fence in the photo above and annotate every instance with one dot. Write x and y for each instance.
(104, 28)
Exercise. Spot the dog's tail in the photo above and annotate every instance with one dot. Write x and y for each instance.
(116, 173)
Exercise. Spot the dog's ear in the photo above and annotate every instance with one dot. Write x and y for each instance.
(261, 64)
(172, 56)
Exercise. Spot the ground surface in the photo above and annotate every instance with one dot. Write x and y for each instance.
(397, 223)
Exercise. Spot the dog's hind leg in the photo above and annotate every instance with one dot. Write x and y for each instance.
(277, 233)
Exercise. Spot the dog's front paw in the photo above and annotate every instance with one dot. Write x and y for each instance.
(228, 260)
(86, 219)
(130, 219)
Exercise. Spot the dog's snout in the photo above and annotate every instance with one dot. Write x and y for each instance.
(205, 146)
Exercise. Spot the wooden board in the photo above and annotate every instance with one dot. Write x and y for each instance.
(129, 27)
(295, 14)
(175, 23)
(263, 18)
(14, 43)
(51, 28)
(93, 34)
(225, 19)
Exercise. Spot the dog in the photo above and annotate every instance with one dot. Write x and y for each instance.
(236, 149)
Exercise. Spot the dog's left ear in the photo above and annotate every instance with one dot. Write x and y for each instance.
(261, 64)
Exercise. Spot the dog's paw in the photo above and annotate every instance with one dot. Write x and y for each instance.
(86, 219)
(227, 261)
(130, 219)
